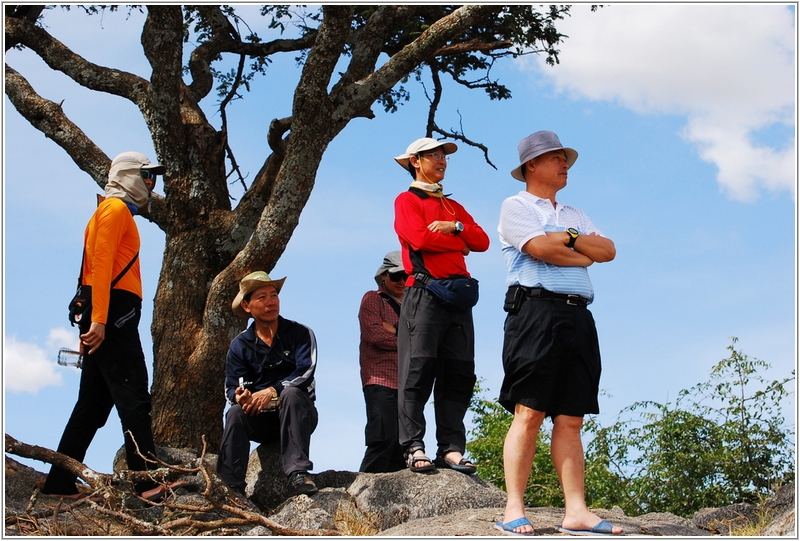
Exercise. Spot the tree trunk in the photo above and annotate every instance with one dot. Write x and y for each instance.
(183, 405)
(209, 246)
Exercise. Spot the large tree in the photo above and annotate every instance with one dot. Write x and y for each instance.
(381, 47)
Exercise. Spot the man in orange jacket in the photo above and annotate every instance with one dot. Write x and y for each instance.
(113, 371)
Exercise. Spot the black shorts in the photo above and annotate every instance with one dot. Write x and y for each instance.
(551, 359)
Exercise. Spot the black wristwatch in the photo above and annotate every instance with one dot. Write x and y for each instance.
(459, 227)
(573, 236)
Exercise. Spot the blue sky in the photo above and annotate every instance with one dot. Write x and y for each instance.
(684, 117)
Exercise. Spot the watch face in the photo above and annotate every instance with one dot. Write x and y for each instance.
(572, 231)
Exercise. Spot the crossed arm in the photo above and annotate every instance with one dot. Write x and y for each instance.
(552, 248)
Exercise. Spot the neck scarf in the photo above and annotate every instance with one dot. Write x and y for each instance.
(436, 189)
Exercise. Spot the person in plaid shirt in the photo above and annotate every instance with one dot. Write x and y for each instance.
(378, 318)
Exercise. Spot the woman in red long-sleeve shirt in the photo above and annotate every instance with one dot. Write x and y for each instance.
(436, 345)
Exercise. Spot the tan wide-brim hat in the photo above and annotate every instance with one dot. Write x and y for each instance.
(250, 283)
(421, 145)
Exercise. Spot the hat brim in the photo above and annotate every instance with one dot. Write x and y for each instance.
(449, 148)
(247, 287)
(155, 168)
(391, 270)
(572, 156)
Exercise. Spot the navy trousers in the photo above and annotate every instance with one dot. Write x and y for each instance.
(292, 425)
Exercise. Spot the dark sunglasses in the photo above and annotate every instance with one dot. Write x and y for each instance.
(398, 276)
(148, 175)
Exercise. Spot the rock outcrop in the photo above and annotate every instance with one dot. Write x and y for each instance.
(440, 503)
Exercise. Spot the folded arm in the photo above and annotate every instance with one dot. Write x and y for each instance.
(596, 247)
(550, 249)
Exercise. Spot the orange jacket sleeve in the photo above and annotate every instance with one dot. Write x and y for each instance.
(111, 240)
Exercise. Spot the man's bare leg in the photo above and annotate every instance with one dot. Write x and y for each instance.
(518, 452)
(567, 452)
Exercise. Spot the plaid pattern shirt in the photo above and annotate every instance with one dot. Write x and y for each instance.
(378, 348)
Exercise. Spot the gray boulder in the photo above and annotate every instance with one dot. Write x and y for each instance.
(169, 455)
(723, 519)
(303, 513)
(782, 510)
(267, 485)
(20, 481)
(383, 500)
(778, 509)
(395, 498)
(321, 511)
(545, 521)
(437, 504)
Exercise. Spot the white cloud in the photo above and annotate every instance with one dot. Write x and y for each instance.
(729, 68)
(62, 337)
(29, 368)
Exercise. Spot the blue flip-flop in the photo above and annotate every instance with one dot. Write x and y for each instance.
(601, 528)
(508, 527)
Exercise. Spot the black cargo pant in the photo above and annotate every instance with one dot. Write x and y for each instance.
(113, 376)
(292, 425)
(436, 351)
(383, 452)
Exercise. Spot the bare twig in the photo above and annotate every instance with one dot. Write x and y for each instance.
(433, 127)
(197, 521)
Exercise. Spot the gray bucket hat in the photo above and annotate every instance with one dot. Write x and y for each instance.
(421, 145)
(392, 262)
(537, 144)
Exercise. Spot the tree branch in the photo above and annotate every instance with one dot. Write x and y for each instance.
(226, 39)
(432, 127)
(365, 91)
(60, 58)
(474, 46)
(29, 13)
(49, 118)
(196, 521)
(223, 34)
(162, 41)
(93, 479)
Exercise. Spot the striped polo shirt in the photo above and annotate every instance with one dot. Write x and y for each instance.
(525, 216)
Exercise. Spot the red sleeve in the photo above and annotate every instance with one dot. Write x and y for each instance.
(411, 225)
(473, 235)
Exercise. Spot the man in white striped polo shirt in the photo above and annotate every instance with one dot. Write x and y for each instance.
(551, 355)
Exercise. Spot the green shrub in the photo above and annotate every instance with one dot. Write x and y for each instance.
(721, 442)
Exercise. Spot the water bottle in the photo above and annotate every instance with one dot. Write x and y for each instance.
(70, 357)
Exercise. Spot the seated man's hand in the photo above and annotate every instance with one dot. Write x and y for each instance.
(254, 403)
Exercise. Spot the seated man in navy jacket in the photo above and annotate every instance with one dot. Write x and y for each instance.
(269, 382)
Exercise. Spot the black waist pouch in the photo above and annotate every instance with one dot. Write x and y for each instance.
(81, 305)
(455, 294)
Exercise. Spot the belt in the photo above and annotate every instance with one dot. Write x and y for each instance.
(421, 279)
(541, 293)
